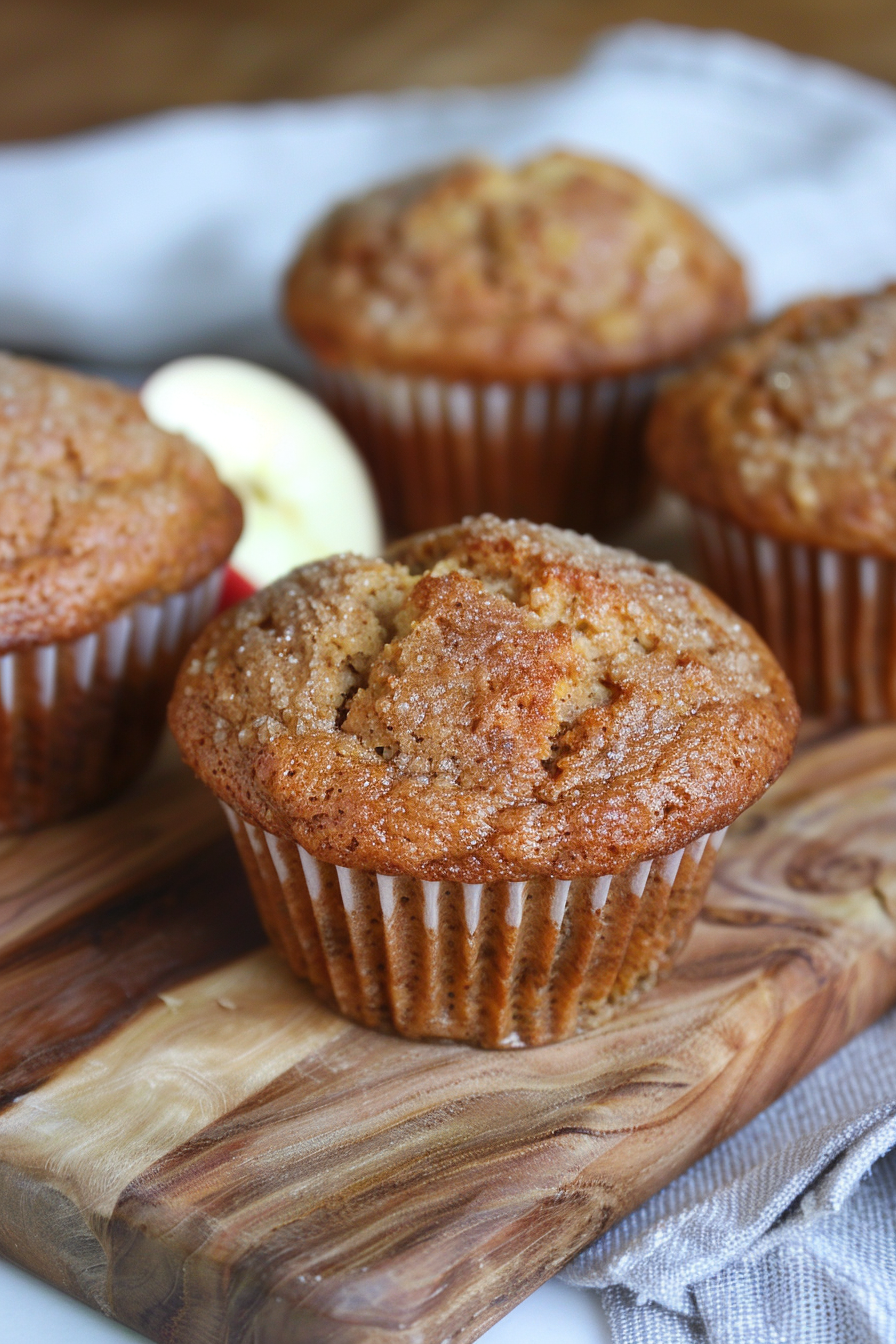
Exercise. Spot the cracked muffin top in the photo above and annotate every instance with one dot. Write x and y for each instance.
(792, 429)
(98, 508)
(492, 699)
(563, 267)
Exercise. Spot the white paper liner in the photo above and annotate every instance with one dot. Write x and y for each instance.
(496, 964)
(569, 453)
(80, 717)
(827, 615)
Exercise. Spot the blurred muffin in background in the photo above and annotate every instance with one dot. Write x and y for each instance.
(478, 785)
(785, 444)
(492, 337)
(113, 535)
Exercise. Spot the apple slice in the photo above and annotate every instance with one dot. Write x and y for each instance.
(304, 489)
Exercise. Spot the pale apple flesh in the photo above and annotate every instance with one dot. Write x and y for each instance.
(304, 488)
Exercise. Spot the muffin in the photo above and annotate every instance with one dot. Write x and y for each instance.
(785, 444)
(112, 539)
(491, 338)
(478, 785)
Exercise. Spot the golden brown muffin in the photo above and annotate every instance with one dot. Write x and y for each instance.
(496, 699)
(499, 709)
(792, 429)
(562, 268)
(491, 337)
(111, 533)
(98, 508)
(785, 444)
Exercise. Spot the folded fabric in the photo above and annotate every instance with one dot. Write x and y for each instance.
(779, 1235)
(170, 234)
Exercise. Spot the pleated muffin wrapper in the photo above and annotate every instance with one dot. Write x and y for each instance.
(568, 452)
(80, 718)
(828, 615)
(495, 964)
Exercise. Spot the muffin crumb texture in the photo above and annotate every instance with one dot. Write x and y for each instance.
(98, 508)
(792, 429)
(562, 268)
(492, 699)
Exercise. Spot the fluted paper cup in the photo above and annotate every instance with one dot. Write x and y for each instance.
(495, 964)
(829, 616)
(569, 452)
(80, 718)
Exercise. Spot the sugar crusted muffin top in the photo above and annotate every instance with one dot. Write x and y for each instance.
(98, 508)
(490, 700)
(792, 429)
(563, 267)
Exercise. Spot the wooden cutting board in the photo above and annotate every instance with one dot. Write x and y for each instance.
(189, 1142)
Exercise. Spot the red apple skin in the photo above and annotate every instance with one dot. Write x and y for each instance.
(235, 589)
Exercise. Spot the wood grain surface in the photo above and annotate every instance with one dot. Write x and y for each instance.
(68, 64)
(189, 1142)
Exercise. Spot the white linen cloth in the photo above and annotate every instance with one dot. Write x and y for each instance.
(129, 245)
(170, 234)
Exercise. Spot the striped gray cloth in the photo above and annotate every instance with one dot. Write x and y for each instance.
(784, 1234)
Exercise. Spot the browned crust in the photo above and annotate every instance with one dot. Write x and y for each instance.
(98, 508)
(494, 700)
(565, 267)
(791, 430)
